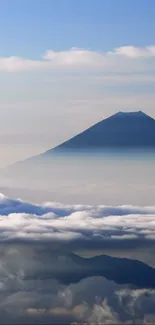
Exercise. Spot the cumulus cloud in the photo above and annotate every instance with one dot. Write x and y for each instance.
(115, 60)
(135, 52)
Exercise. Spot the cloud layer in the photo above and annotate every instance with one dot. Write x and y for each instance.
(83, 226)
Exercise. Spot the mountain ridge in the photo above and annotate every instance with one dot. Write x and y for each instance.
(71, 268)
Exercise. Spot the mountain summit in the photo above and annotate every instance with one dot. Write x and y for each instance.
(121, 130)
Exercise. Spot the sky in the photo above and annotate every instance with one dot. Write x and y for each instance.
(66, 64)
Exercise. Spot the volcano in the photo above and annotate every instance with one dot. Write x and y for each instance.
(132, 130)
(121, 130)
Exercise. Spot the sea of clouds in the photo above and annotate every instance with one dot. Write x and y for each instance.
(77, 224)
(36, 239)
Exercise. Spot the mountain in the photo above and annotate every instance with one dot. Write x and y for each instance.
(72, 268)
(132, 130)
(129, 130)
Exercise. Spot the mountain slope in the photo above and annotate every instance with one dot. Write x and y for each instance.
(135, 129)
(122, 130)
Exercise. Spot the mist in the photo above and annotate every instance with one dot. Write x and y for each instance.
(107, 178)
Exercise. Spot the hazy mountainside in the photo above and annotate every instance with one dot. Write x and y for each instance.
(134, 129)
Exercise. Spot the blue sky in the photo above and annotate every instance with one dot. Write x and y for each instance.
(66, 64)
(28, 27)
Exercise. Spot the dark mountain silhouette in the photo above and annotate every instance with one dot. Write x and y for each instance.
(133, 129)
(72, 268)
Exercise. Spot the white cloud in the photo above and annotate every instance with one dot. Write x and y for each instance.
(62, 223)
(16, 64)
(74, 56)
(134, 52)
(118, 59)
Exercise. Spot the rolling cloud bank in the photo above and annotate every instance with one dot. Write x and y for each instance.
(87, 226)
(58, 223)
(43, 280)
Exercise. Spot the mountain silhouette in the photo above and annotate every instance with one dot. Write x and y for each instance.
(130, 130)
(71, 268)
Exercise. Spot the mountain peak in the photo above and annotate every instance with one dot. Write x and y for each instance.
(131, 114)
